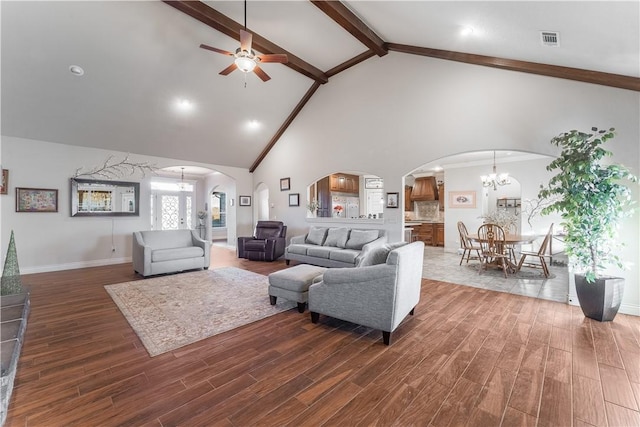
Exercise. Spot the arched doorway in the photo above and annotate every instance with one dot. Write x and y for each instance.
(262, 202)
(218, 216)
(466, 197)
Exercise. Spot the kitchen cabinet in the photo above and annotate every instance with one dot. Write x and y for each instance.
(439, 234)
(424, 189)
(324, 198)
(441, 196)
(344, 183)
(408, 204)
(431, 233)
(424, 233)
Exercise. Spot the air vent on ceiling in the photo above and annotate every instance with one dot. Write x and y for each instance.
(550, 38)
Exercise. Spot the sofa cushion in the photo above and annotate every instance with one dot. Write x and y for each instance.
(337, 237)
(316, 235)
(344, 255)
(359, 238)
(171, 254)
(319, 251)
(167, 239)
(379, 255)
(300, 249)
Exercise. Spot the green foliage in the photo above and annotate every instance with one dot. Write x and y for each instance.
(591, 199)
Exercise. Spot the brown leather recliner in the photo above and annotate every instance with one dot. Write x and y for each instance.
(266, 244)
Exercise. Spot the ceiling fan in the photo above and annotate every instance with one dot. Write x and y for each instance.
(246, 59)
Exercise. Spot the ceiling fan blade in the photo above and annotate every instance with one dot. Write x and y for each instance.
(245, 40)
(260, 73)
(229, 69)
(215, 49)
(277, 57)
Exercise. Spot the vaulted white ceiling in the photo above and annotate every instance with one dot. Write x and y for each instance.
(142, 57)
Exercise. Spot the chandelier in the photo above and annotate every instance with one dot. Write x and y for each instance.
(182, 186)
(493, 179)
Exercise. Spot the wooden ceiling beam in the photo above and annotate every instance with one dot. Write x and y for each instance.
(349, 63)
(228, 26)
(568, 73)
(348, 20)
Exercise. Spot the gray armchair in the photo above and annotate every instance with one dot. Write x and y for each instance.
(378, 296)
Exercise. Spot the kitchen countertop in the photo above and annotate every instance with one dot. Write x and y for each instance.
(423, 221)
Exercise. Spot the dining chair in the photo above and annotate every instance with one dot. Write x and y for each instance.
(466, 244)
(541, 254)
(494, 249)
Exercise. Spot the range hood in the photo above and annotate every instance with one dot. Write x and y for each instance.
(424, 189)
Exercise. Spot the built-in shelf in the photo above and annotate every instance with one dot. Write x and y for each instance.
(509, 203)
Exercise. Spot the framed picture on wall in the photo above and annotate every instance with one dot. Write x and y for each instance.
(294, 199)
(244, 201)
(36, 200)
(462, 199)
(392, 200)
(285, 184)
(373, 183)
(4, 185)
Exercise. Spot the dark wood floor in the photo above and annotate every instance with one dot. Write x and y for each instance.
(468, 357)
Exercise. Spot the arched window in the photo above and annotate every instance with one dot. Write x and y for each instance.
(218, 210)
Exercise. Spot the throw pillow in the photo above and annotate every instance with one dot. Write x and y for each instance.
(316, 235)
(379, 255)
(375, 256)
(359, 238)
(337, 237)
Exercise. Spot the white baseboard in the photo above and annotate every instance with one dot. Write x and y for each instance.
(632, 309)
(75, 265)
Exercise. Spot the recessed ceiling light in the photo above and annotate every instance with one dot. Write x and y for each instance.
(466, 31)
(76, 70)
(184, 105)
(253, 124)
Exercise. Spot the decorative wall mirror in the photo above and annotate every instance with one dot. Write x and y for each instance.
(92, 197)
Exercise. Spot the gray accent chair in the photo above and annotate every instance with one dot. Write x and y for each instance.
(377, 296)
(169, 251)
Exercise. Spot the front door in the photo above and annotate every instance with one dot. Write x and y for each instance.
(171, 210)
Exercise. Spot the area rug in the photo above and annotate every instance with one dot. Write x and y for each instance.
(525, 273)
(172, 311)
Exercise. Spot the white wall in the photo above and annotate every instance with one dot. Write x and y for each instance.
(57, 241)
(389, 115)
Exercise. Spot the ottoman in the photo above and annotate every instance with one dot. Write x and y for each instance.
(293, 284)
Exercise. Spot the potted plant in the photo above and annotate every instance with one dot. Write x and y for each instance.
(312, 207)
(592, 200)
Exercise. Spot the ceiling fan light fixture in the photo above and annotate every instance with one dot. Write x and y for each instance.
(245, 64)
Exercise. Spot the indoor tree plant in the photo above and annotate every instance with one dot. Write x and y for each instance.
(592, 200)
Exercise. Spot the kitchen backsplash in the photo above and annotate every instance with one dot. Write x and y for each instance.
(427, 210)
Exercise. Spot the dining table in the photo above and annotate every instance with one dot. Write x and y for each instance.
(510, 240)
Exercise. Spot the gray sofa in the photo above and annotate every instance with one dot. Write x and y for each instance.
(168, 251)
(378, 295)
(334, 247)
